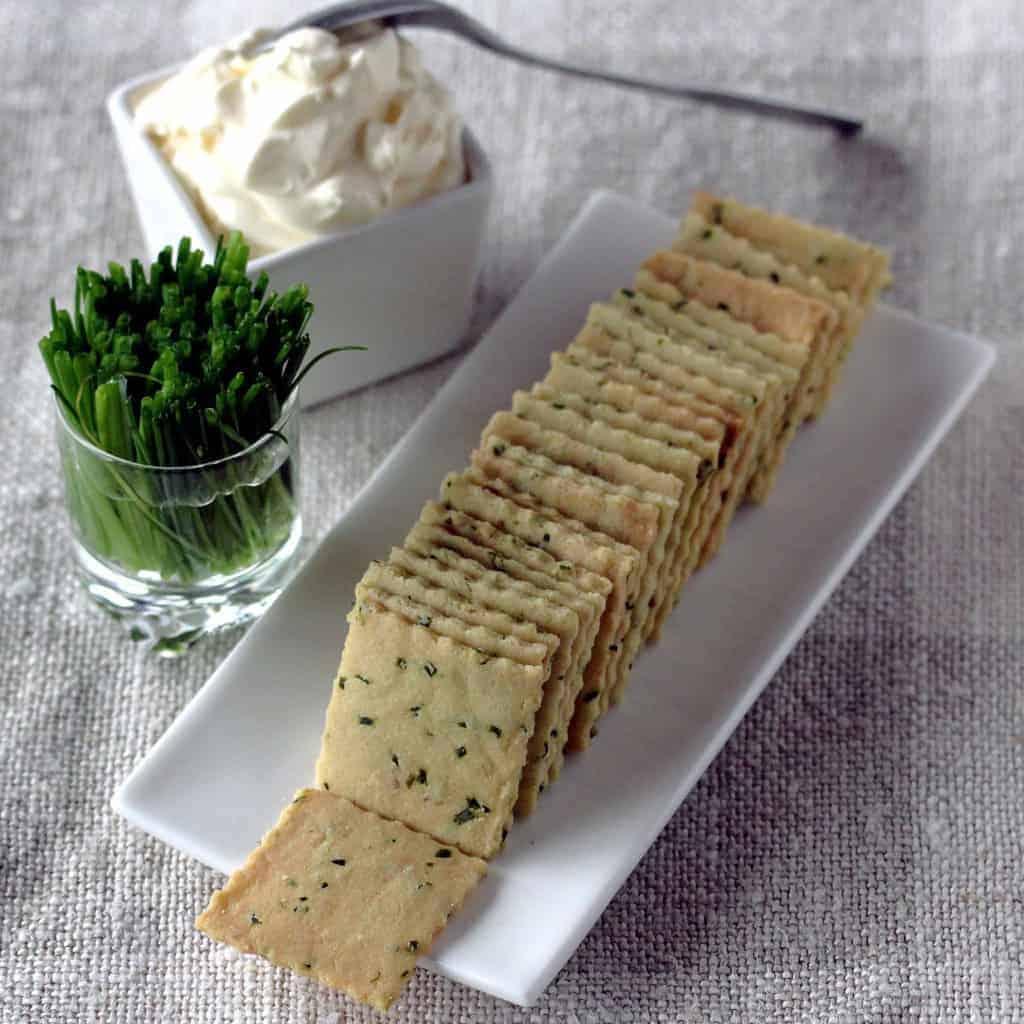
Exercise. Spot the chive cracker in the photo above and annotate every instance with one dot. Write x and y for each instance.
(578, 588)
(841, 263)
(571, 541)
(785, 365)
(768, 390)
(702, 242)
(683, 454)
(391, 744)
(697, 238)
(634, 345)
(596, 376)
(610, 455)
(457, 615)
(636, 516)
(486, 639)
(339, 894)
(690, 412)
(522, 602)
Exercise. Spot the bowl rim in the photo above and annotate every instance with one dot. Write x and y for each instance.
(119, 108)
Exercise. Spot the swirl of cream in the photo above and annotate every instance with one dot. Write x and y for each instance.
(308, 137)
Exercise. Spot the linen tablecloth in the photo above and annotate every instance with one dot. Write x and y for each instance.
(854, 854)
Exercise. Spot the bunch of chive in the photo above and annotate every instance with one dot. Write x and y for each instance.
(188, 366)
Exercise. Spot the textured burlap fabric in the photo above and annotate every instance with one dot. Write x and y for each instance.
(854, 854)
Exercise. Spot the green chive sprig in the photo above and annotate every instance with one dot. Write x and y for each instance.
(185, 365)
(182, 367)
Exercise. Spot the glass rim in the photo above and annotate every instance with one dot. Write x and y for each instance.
(290, 408)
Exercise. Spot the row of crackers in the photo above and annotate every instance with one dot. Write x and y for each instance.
(507, 623)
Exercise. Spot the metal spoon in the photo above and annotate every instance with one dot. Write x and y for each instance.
(432, 14)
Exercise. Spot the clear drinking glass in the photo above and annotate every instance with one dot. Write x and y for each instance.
(177, 552)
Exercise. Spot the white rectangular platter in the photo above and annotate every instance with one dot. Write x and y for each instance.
(216, 781)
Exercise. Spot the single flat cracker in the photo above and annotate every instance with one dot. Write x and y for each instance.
(585, 592)
(570, 540)
(339, 894)
(486, 594)
(427, 730)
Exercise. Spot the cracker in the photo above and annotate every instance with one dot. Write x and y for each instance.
(772, 311)
(652, 442)
(638, 347)
(689, 411)
(486, 594)
(692, 322)
(766, 306)
(610, 455)
(781, 378)
(339, 894)
(658, 300)
(713, 242)
(608, 355)
(593, 697)
(427, 730)
(630, 387)
(641, 518)
(703, 242)
(501, 550)
(627, 517)
(556, 453)
(438, 610)
(685, 457)
(843, 264)
(585, 592)
(570, 540)
(712, 378)
(569, 368)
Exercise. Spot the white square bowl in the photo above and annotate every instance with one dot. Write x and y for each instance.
(401, 285)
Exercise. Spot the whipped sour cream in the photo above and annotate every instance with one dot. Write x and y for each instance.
(308, 137)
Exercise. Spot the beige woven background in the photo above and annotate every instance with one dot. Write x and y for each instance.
(855, 852)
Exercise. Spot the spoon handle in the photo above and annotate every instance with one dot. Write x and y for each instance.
(726, 99)
(441, 16)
